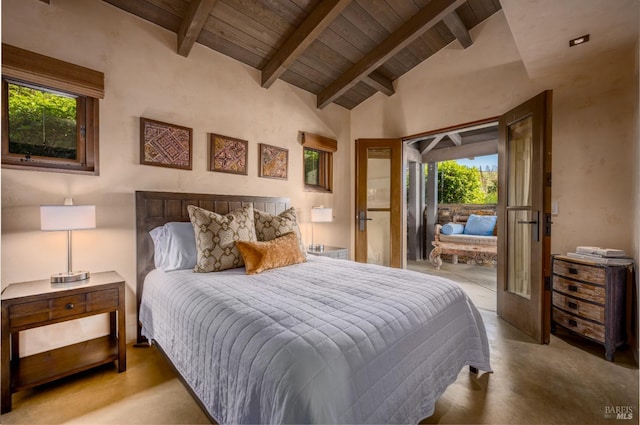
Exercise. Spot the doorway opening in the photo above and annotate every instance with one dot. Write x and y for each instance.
(451, 174)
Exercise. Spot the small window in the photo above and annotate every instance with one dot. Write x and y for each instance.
(318, 162)
(49, 124)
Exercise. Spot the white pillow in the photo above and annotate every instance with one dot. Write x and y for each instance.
(174, 246)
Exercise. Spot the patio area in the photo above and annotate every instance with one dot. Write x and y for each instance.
(479, 282)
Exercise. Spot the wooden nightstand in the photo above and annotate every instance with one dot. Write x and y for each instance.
(38, 303)
(332, 251)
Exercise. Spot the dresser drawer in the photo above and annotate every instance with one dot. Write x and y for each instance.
(581, 308)
(586, 291)
(580, 271)
(581, 326)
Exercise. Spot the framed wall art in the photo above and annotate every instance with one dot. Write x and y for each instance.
(165, 145)
(274, 162)
(228, 154)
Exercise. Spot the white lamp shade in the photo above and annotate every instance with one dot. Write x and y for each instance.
(321, 215)
(67, 217)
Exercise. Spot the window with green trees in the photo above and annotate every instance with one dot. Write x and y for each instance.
(50, 113)
(42, 123)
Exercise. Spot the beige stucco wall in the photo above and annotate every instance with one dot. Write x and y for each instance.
(145, 77)
(594, 116)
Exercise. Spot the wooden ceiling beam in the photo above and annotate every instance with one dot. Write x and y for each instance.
(192, 24)
(457, 28)
(422, 21)
(455, 137)
(379, 82)
(426, 148)
(316, 22)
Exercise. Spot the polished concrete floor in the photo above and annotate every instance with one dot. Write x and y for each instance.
(565, 382)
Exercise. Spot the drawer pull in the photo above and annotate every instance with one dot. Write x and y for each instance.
(572, 305)
(573, 270)
(573, 322)
(573, 288)
(69, 306)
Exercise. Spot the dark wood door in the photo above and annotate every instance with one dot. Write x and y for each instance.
(524, 217)
(379, 202)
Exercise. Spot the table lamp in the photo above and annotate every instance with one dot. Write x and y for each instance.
(68, 217)
(319, 215)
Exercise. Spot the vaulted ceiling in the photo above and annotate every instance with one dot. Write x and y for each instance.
(343, 51)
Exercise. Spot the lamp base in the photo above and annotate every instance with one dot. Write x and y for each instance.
(69, 277)
(316, 248)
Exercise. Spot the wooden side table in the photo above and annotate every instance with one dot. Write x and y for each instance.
(331, 251)
(29, 305)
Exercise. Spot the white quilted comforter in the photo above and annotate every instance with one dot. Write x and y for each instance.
(326, 341)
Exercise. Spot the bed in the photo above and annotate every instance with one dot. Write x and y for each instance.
(320, 341)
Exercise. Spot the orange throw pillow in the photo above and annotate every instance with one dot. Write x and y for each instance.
(279, 252)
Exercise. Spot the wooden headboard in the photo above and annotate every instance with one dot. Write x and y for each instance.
(154, 209)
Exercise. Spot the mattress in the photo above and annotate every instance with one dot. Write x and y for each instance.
(325, 341)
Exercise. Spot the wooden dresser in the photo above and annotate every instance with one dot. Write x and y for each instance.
(591, 300)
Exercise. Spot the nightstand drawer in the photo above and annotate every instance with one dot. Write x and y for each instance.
(100, 300)
(581, 308)
(44, 310)
(579, 289)
(579, 271)
(28, 313)
(587, 328)
(67, 306)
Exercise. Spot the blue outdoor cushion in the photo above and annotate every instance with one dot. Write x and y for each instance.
(480, 225)
(452, 229)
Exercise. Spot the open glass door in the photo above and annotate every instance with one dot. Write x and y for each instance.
(379, 205)
(524, 213)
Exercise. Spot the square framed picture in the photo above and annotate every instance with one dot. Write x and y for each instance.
(165, 145)
(274, 162)
(228, 154)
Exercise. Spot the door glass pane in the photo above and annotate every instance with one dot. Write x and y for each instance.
(520, 156)
(519, 252)
(379, 238)
(379, 206)
(379, 178)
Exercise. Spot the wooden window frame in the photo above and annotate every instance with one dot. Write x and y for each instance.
(325, 147)
(41, 72)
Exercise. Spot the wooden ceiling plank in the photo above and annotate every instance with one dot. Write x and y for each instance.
(398, 40)
(301, 38)
(149, 12)
(236, 39)
(457, 28)
(197, 14)
(379, 82)
(234, 17)
(267, 19)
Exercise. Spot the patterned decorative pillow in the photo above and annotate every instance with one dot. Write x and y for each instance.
(279, 252)
(269, 226)
(216, 236)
